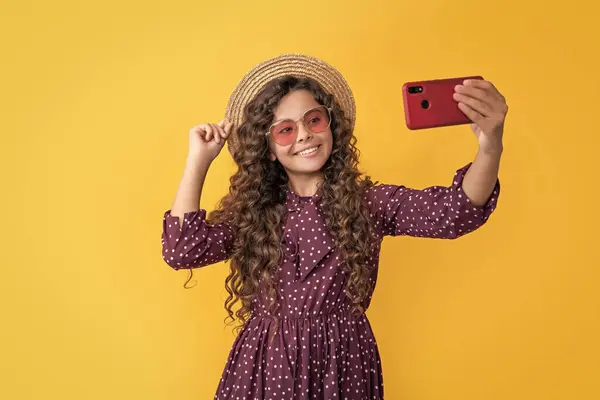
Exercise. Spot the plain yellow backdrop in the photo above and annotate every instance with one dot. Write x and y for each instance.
(96, 102)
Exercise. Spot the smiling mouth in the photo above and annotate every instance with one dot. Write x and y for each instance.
(307, 151)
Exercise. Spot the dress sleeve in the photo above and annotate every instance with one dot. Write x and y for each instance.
(196, 243)
(437, 212)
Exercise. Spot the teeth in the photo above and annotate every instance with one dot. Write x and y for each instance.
(307, 151)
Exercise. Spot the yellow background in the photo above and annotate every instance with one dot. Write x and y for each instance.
(97, 100)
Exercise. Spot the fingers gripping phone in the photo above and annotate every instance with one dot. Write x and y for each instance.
(430, 103)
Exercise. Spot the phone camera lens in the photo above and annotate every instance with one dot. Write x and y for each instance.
(415, 89)
(425, 104)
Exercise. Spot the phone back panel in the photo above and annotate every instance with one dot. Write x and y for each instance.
(434, 106)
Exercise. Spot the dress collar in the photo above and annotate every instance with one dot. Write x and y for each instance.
(296, 203)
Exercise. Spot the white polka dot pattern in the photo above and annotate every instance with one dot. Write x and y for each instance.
(433, 212)
(319, 351)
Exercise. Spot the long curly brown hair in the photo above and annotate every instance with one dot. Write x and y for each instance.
(255, 206)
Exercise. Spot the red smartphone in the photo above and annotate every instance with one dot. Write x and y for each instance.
(429, 104)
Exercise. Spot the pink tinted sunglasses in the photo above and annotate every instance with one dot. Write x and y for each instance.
(315, 120)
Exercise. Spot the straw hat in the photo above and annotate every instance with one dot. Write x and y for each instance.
(299, 65)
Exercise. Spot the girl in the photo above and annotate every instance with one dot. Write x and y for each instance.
(302, 228)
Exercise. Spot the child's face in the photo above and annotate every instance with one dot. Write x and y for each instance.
(293, 107)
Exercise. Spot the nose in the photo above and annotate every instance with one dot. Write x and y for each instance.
(303, 133)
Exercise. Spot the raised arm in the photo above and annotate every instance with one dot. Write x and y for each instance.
(454, 210)
(188, 240)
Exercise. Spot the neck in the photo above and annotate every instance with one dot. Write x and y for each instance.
(305, 185)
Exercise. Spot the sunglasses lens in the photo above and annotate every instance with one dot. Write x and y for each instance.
(317, 120)
(284, 132)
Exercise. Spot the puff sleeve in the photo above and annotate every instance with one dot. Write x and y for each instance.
(195, 243)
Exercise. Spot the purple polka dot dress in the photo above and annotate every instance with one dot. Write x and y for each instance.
(319, 350)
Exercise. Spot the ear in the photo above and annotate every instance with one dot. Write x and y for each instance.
(272, 155)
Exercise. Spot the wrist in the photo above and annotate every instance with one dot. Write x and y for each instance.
(492, 148)
(197, 161)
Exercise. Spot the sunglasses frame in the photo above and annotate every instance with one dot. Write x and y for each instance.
(329, 111)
